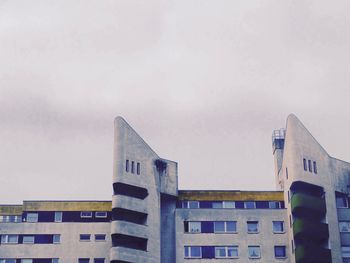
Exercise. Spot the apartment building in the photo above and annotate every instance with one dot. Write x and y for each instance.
(306, 220)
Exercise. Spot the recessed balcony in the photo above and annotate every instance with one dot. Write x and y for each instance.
(312, 254)
(307, 206)
(308, 230)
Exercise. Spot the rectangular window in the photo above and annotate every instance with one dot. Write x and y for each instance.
(315, 168)
(226, 252)
(138, 170)
(55, 260)
(228, 204)
(194, 227)
(190, 204)
(305, 164)
(100, 237)
(278, 226)
(252, 227)
(56, 239)
(9, 239)
(27, 260)
(99, 260)
(85, 214)
(32, 217)
(132, 167)
(225, 226)
(310, 167)
(218, 204)
(10, 219)
(249, 205)
(274, 204)
(85, 237)
(344, 226)
(58, 216)
(254, 251)
(83, 260)
(280, 251)
(342, 202)
(28, 239)
(345, 251)
(193, 252)
(127, 166)
(100, 214)
(287, 173)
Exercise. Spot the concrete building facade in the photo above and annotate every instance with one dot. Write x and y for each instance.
(149, 220)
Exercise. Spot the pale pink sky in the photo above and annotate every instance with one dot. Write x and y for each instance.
(204, 82)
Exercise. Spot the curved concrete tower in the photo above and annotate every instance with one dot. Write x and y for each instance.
(145, 191)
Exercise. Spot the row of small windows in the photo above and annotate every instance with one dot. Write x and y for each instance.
(228, 252)
(310, 166)
(70, 216)
(130, 166)
(233, 204)
(228, 227)
(87, 237)
(31, 239)
(48, 260)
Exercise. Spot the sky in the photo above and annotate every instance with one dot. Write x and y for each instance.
(203, 82)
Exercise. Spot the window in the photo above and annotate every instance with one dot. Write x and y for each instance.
(55, 260)
(225, 227)
(100, 214)
(305, 164)
(286, 173)
(138, 168)
(280, 251)
(217, 204)
(32, 217)
(28, 239)
(228, 204)
(99, 260)
(254, 251)
(226, 252)
(277, 226)
(9, 239)
(190, 204)
(58, 216)
(342, 201)
(345, 252)
(132, 167)
(310, 166)
(315, 168)
(249, 205)
(8, 260)
(26, 260)
(194, 227)
(344, 226)
(10, 219)
(56, 239)
(83, 260)
(127, 166)
(252, 226)
(193, 252)
(85, 214)
(85, 237)
(274, 204)
(100, 237)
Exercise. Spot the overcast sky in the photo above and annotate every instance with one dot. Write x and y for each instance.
(203, 82)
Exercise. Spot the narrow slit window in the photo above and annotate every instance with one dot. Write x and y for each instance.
(132, 167)
(286, 173)
(127, 166)
(138, 168)
(315, 168)
(310, 167)
(305, 164)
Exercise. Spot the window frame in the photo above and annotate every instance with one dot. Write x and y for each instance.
(198, 223)
(249, 254)
(33, 219)
(226, 249)
(189, 251)
(225, 223)
(5, 239)
(284, 251)
(101, 216)
(100, 240)
(257, 227)
(278, 231)
(54, 239)
(347, 225)
(249, 202)
(84, 239)
(89, 215)
(187, 204)
(31, 241)
(96, 260)
(58, 217)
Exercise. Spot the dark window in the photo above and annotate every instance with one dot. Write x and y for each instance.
(280, 251)
(100, 237)
(252, 226)
(86, 214)
(127, 166)
(129, 216)
(305, 164)
(138, 168)
(132, 167)
(130, 190)
(101, 214)
(83, 260)
(85, 237)
(286, 172)
(99, 260)
(315, 168)
(249, 204)
(277, 226)
(310, 167)
(120, 240)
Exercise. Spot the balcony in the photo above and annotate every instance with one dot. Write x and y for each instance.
(307, 206)
(312, 254)
(307, 230)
